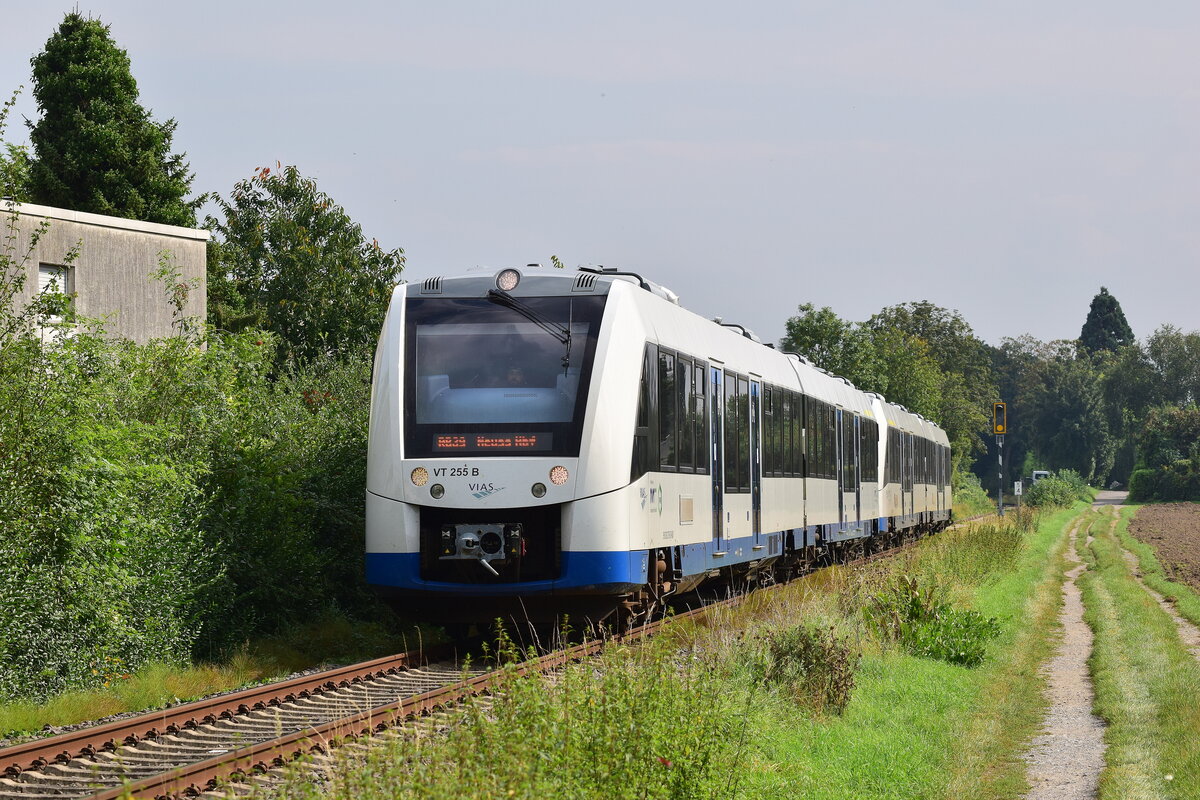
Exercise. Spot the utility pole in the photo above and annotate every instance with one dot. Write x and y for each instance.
(999, 428)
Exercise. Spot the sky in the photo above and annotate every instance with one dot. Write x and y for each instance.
(1005, 160)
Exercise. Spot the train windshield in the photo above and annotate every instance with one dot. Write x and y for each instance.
(503, 378)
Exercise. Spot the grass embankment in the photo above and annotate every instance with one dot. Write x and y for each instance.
(749, 706)
(330, 640)
(919, 728)
(1146, 682)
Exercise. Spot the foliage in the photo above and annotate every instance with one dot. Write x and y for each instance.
(969, 497)
(167, 499)
(1059, 490)
(1105, 327)
(1168, 456)
(917, 355)
(924, 624)
(640, 723)
(14, 159)
(813, 667)
(95, 147)
(289, 260)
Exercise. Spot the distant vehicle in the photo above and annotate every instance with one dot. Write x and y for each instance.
(1038, 474)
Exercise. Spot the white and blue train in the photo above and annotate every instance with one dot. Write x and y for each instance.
(545, 442)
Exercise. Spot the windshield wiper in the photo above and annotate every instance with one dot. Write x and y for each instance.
(563, 334)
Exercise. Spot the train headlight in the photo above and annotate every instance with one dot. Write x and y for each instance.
(508, 280)
(420, 476)
(437, 491)
(538, 489)
(559, 475)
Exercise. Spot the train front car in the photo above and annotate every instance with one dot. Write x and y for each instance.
(501, 421)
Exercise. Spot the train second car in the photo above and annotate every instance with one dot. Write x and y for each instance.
(546, 443)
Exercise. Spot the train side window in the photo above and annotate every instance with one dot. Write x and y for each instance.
(768, 430)
(700, 417)
(683, 378)
(667, 440)
(796, 434)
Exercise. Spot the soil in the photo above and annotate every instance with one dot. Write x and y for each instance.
(1173, 530)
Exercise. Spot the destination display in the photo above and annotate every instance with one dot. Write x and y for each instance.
(491, 442)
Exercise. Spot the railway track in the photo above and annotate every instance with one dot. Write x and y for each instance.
(190, 749)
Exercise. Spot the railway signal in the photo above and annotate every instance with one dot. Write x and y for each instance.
(999, 428)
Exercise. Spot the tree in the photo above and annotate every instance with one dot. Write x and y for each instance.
(1070, 420)
(966, 388)
(95, 147)
(1105, 327)
(288, 259)
(833, 344)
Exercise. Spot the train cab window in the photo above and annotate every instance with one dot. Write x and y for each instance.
(641, 435)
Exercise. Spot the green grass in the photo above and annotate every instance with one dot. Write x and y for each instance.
(1146, 683)
(914, 727)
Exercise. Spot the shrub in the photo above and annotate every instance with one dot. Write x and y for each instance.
(1058, 490)
(924, 624)
(169, 499)
(811, 666)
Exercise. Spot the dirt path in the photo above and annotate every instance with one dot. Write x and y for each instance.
(1065, 760)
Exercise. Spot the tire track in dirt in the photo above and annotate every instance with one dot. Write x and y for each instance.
(1065, 760)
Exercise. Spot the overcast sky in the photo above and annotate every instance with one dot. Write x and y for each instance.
(1002, 159)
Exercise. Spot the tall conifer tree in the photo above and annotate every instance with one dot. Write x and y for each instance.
(95, 147)
(1106, 327)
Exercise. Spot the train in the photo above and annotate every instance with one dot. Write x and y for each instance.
(546, 443)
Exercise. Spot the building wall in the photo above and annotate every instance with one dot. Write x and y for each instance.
(111, 275)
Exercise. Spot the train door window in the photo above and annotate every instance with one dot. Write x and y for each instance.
(686, 425)
(641, 433)
(744, 435)
(667, 441)
(699, 428)
(731, 434)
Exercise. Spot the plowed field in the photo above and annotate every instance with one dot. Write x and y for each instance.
(1173, 530)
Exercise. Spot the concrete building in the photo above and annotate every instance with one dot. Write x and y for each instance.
(110, 274)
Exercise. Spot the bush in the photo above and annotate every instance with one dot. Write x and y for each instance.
(169, 499)
(1058, 490)
(969, 497)
(811, 666)
(924, 624)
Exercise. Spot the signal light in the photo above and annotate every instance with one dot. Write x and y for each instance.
(999, 418)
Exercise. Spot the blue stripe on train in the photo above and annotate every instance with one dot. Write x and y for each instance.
(599, 572)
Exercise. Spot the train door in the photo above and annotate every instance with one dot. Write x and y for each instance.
(856, 445)
(839, 470)
(716, 409)
(755, 460)
(909, 466)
